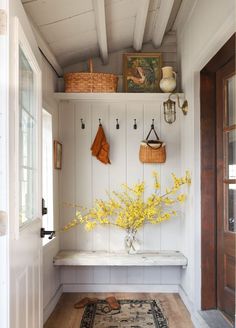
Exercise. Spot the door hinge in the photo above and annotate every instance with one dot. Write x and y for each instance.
(3, 22)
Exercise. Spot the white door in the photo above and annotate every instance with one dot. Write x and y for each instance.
(25, 245)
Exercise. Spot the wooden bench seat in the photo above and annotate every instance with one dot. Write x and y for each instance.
(101, 258)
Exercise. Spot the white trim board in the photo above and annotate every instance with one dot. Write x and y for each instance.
(120, 288)
(116, 96)
(197, 320)
(48, 309)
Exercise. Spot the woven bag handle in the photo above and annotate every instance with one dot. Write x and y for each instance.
(152, 129)
(90, 64)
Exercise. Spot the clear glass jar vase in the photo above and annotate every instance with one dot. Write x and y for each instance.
(132, 244)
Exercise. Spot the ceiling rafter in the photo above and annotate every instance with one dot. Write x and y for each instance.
(162, 18)
(100, 18)
(140, 24)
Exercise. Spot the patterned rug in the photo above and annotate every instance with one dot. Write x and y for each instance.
(132, 314)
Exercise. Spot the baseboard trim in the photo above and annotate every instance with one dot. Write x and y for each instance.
(107, 288)
(52, 303)
(197, 320)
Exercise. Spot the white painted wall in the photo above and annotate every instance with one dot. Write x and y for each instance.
(115, 64)
(51, 276)
(3, 173)
(83, 179)
(203, 27)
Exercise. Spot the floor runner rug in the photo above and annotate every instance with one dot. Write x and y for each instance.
(132, 314)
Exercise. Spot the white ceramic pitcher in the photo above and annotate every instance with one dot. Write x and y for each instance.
(168, 81)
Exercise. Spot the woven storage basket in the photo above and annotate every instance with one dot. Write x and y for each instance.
(151, 154)
(90, 82)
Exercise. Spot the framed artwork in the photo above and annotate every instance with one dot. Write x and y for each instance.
(57, 155)
(142, 72)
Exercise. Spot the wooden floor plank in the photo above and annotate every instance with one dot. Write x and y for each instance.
(65, 316)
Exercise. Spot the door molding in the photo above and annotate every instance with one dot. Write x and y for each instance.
(208, 173)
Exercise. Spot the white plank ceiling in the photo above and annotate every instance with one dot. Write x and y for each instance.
(78, 29)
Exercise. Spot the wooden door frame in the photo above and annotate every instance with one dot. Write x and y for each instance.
(209, 173)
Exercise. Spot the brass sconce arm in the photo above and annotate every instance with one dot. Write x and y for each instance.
(184, 106)
(169, 108)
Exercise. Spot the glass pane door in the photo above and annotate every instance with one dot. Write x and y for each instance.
(230, 156)
(27, 141)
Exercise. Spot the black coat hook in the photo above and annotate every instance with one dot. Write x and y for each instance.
(100, 122)
(152, 126)
(135, 124)
(82, 124)
(117, 124)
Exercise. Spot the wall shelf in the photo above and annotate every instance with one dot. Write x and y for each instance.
(118, 96)
(100, 258)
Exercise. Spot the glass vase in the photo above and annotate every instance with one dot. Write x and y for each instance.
(132, 244)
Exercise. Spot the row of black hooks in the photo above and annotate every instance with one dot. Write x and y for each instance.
(135, 126)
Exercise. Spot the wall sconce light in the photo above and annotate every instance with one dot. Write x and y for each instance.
(170, 108)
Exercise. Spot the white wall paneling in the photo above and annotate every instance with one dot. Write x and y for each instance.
(51, 275)
(67, 182)
(100, 172)
(83, 179)
(4, 161)
(210, 25)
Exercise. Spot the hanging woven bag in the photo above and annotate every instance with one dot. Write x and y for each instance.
(152, 151)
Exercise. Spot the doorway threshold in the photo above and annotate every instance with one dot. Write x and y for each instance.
(215, 319)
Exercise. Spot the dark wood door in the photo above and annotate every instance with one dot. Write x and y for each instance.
(226, 187)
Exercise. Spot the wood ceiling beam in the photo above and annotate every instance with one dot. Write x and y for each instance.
(162, 18)
(100, 18)
(140, 23)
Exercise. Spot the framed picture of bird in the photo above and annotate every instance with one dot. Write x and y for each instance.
(142, 72)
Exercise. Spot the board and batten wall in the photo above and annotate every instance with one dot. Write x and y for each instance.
(83, 179)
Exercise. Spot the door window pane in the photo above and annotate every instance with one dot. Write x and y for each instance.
(231, 85)
(231, 207)
(47, 157)
(27, 141)
(230, 154)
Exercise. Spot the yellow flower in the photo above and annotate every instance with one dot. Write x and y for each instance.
(90, 226)
(181, 198)
(129, 209)
(155, 174)
(156, 185)
(168, 201)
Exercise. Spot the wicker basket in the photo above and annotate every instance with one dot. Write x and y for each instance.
(90, 82)
(150, 154)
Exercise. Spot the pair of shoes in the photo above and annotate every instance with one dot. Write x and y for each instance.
(113, 303)
(85, 301)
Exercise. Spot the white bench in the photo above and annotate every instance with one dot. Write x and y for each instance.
(101, 258)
